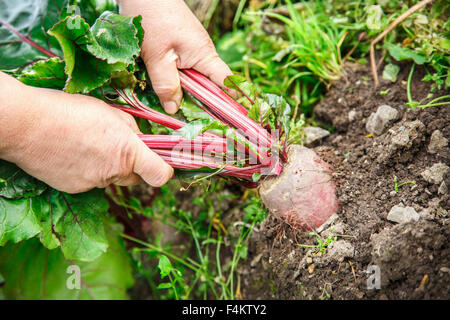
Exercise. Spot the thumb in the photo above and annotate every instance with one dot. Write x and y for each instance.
(163, 74)
(150, 167)
(214, 68)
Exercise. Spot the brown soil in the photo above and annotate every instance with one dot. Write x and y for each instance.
(413, 258)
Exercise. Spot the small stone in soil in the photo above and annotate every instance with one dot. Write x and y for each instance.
(437, 142)
(443, 189)
(436, 173)
(340, 250)
(352, 115)
(335, 229)
(400, 214)
(379, 120)
(314, 135)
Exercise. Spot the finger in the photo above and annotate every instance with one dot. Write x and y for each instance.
(150, 167)
(129, 120)
(214, 68)
(131, 180)
(165, 81)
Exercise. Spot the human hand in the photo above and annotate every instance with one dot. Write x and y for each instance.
(73, 142)
(174, 39)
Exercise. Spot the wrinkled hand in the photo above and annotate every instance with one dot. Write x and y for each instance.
(73, 142)
(174, 39)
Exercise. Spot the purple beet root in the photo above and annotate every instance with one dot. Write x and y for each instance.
(304, 194)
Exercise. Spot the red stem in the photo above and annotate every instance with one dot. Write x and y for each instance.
(27, 40)
(226, 111)
(180, 161)
(207, 149)
(169, 122)
(200, 143)
(213, 88)
(153, 116)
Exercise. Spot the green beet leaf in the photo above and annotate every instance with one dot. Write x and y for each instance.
(89, 9)
(85, 72)
(31, 271)
(19, 220)
(117, 38)
(191, 111)
(31, 19)
(73, 222)
(17, 184)
(28, 208)
(237, 82)
(45, 74)
(192, 129)
(80, 229)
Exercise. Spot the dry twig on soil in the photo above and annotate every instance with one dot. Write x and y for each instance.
(395, 23)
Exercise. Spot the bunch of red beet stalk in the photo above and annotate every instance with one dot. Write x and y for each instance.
(244, 150)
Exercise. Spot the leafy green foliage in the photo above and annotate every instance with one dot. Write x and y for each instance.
(28, 209)
(179, 273)
(31, 271)
(31, 19)
(17, 184)
(175, 276)
(19, 220)
(269, 110)
(293, 55)
(191, 111)
(398, 185)
(45, 74)
(425, 102)
(196, 127)
(48, 44)
(232, 48)
(422, 37)
(399, 54)
(91, 60)
(315, 45)
(112, 32)
(322, 243)
(374, 15)
(237, 82)
(89, 9)
(79, 224)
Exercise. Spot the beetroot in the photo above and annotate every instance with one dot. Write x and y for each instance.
(304, 194)
(248, 147)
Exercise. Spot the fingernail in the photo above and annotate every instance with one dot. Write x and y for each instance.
(170, 107)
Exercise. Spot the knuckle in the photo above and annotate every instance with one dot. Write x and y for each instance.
(165, 90)
(129, 120)
(208, 44)
(121, 165)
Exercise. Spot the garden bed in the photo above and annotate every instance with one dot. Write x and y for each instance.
(413, 257)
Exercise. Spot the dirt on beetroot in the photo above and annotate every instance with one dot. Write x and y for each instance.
(409, 257)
